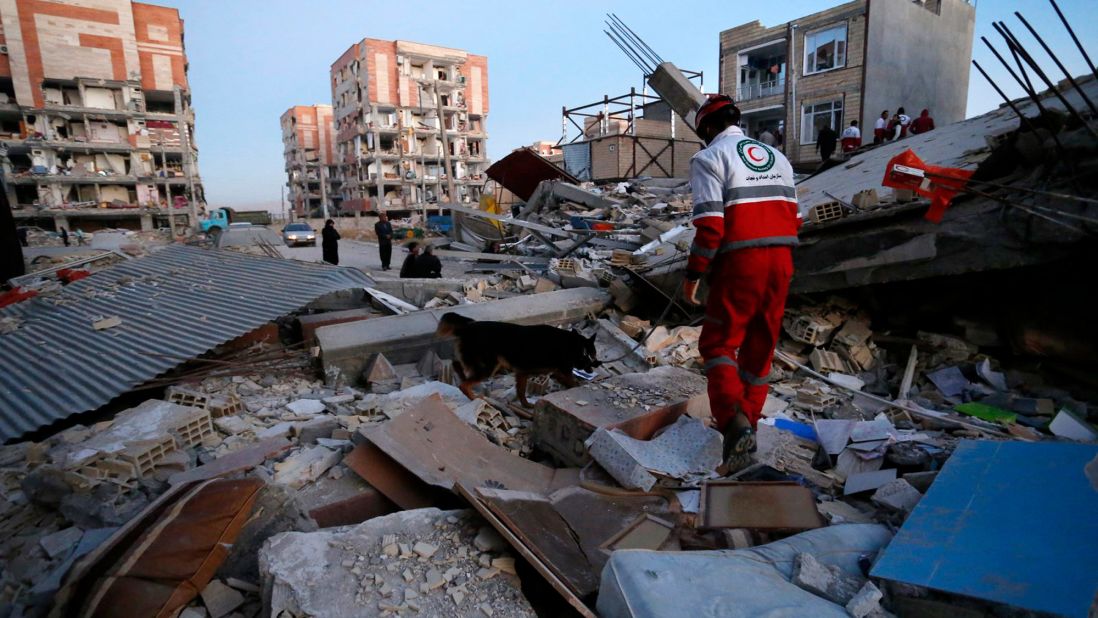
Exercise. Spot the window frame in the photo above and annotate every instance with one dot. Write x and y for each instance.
(841, 109)
(846, 49)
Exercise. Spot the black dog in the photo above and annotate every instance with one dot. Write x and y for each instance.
(485, 348)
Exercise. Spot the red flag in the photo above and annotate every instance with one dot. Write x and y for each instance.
(940, 184)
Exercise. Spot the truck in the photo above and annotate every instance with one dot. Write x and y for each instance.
(219, 219)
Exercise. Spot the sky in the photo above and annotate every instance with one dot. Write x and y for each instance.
(250, 60)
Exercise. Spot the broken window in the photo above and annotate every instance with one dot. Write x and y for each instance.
(818, 116)
(825, 50)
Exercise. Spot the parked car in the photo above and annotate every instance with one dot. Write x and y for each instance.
(299, 234)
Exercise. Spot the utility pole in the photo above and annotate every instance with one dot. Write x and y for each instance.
(456, 228)
(282, 203)
(324, 190)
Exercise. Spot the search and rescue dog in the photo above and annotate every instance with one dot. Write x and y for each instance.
(485, 348)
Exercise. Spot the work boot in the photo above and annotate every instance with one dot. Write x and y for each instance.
(739, 444)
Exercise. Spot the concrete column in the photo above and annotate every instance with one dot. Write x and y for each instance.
(147, 223)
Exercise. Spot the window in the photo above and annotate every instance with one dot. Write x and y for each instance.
(825, 50)
(818, 116)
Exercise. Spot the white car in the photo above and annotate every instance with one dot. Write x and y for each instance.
(298, 234)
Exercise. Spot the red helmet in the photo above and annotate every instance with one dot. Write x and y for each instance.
(714, 103)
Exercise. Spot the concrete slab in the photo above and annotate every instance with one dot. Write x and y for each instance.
(636, 403)
(309, 323)
(418, 291)
(345, 348)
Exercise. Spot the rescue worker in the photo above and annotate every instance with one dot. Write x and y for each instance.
(923, 123)
(904, 122)
(851, 138)
(880, 128)
(745, 213)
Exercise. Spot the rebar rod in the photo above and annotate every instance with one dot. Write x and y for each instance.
(1071, 80)
(1071, 31)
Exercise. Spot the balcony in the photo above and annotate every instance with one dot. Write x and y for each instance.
(746, 92)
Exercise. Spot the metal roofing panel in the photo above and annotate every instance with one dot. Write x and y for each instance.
(175, 304)
(522, 170)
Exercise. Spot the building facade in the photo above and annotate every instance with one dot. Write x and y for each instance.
(848, 63)
(312, 175)
(96, 125)
(387, 97)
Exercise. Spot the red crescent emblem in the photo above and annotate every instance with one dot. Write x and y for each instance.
(751, 153)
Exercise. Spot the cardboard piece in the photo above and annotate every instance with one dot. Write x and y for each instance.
(758, 505)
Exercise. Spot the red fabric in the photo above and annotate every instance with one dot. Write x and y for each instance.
(940, 184)
(743, 318)
(851, 143)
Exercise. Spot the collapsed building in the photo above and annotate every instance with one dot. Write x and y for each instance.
(299, 445)
(410, 124)
(96, 118)
(308, 151)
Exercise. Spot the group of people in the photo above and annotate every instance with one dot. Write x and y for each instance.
(419, 264)
(899, 125)
(885, 129)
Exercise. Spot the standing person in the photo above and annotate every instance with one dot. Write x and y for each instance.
(80, 237)
(408, 268)
(825, 142)
(384, 231)
(428, 266)
(749, 259)
(778, 138)
(852, 137)
(766, 137)
(65, 236)
(905, 122)
(923, 123)
(22, 233)
(879, 128)
(329, 242)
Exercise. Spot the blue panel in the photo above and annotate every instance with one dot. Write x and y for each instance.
(1010, 522)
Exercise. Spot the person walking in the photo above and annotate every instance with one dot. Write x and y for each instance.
(329, 242)
(923, 123)
(408, 270)
(825, 142)
(65, 236)
(880, 128)
(766, 137)
(384, 231)
(746, 221)
(80, 241)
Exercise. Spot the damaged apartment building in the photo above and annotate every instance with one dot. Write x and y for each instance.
(96, 125)
(850, 62)
(388, 97)
(312, 175)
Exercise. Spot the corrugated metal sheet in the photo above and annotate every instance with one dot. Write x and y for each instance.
(577, 159)
(175, 304)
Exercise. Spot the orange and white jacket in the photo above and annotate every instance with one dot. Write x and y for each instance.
(743, 197)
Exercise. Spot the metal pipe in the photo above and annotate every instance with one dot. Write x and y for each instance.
(637, 47)
(1074, 38)
(1005, 98)
(1071, 80)
(626, 51)
(639, 40)
(1013, 40)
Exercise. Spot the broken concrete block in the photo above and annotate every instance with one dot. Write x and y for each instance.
(488, 539)
(278, 430)
(425, 550)
(305, 466)
(233, 425)
(318, 427)
(299, 581)
(866, 602)
(898, 495)
(220, 599)
(825, 362)
(829, 582)
(379, 369)
(61, 542)
(430, 365)
(306, 407)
